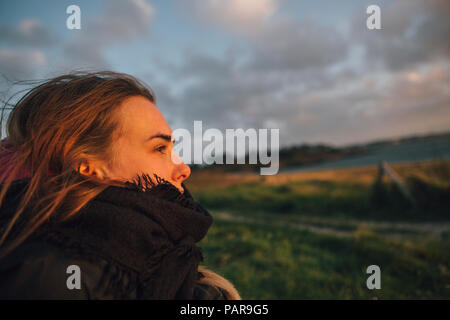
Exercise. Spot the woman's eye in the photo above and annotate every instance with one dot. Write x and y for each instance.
(161, 149)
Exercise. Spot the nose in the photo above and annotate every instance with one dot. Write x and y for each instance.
(181, 171)
(185, 172)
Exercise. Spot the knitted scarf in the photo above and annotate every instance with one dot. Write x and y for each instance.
(147, 228)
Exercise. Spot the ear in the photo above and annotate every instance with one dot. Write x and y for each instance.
(89, 168)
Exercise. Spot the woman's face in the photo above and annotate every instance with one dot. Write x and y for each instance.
(145, 146)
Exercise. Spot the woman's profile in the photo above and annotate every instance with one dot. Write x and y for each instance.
(92, 200)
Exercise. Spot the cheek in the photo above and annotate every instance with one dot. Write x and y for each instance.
(150, 162)
(130, 162)
(159, 165)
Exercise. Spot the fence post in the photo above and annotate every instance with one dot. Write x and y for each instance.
(385, 168)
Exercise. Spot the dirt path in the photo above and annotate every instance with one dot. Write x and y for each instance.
(341, 228)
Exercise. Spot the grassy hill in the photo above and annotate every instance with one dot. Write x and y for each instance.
(312, 234)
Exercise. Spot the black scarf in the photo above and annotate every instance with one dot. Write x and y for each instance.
(147, 228)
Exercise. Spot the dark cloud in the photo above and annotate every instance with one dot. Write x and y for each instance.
(21, 64)
(22, 55)
(291, 46)
(413, 32)
(375, 106)
(256, 92)
(224, 95)
(298, 76)
(120, 22)
(28, 33)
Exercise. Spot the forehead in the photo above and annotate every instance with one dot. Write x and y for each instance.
(140, 118)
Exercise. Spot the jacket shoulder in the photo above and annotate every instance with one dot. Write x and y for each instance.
(41, 270)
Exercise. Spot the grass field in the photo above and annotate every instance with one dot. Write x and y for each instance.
(311, 235)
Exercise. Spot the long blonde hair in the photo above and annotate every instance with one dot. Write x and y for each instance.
(214, 279)
(52, 128)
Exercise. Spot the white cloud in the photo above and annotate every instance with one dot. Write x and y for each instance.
(242, 16)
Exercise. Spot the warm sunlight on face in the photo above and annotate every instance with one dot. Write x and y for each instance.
(146, 144)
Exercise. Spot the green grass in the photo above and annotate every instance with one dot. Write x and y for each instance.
(267, 255)
(266, 262)
(330, 199)
(318, 197)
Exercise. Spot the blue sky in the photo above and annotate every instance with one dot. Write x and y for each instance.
(310, 68)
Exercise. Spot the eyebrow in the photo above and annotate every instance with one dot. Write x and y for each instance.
(164, 136)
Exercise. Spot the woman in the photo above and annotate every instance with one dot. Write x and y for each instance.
(93, 204)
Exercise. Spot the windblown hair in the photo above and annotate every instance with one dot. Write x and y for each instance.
(212, 278)
(53, 128)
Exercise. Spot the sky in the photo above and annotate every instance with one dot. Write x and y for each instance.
(310, 68)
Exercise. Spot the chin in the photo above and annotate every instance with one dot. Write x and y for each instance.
(180, 188)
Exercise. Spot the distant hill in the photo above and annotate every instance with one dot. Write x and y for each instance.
(315, 154)
(292, 156)
(406, 139)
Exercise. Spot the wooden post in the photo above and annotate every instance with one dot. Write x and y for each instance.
(385, 168)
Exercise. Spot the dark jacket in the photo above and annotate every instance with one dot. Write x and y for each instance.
(126, 243)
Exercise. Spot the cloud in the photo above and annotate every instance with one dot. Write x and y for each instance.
(241, 16)
(20, 64)
(275, 39)
(225, 95)
(383, 104)
(121, 21)
(23, 55)
(301, 76)
(306, 78)
(312, 105)
(413, 32)
(288, 58)
(28, 32)
(288, 45)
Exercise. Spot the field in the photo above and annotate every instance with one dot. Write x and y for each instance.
(311, 235)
